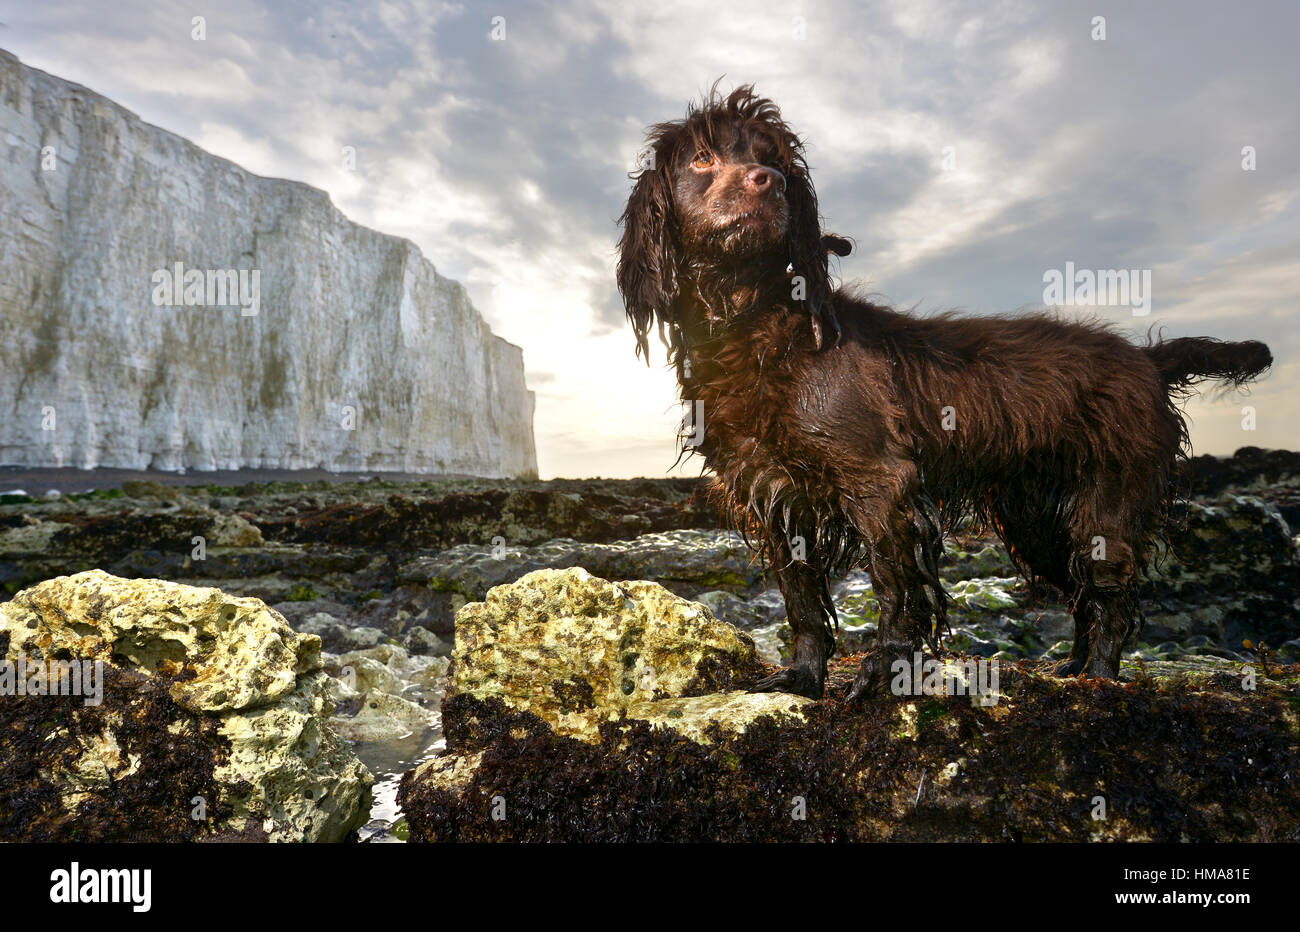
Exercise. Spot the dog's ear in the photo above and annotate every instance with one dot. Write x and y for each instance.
(647, 259)
(810, 255)
(834, 243)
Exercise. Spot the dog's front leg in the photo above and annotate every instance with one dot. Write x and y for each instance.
(897, 639)
(913, 605)
(809, 608)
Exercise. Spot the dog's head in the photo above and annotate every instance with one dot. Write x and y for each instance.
(725, 194)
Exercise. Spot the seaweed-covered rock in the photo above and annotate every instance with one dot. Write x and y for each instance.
(568, 655)
(686, 560)
(211, 723)
(1187, 752)
(1248, 466)
(1232, 572)
(287, 540)
(530, 515)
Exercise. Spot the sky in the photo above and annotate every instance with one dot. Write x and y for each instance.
(969, 149)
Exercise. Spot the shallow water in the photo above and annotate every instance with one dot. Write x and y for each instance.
(388, 760)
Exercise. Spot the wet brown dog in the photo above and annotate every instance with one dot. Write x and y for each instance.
(842, 433)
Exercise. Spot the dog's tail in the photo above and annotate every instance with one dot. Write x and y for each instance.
(1188, 360)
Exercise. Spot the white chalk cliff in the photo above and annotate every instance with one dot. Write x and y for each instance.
(359, 356)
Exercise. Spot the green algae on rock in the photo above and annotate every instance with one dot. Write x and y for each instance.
(216, 692)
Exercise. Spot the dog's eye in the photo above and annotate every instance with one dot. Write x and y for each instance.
(703, 159)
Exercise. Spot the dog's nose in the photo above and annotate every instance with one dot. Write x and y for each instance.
(761, 179)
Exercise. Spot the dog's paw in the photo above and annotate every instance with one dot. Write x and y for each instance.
(873, 676)
(1102, 668)
(802, 681)
(1070, 666)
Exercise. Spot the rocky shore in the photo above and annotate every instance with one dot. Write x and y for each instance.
(569, 718)
(386, 595)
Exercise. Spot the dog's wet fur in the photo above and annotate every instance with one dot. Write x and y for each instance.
(842, 433)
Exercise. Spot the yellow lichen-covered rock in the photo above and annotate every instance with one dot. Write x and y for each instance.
(211, 718)
(289, 771)
(242, 652)
(733, 711)
(576, 650)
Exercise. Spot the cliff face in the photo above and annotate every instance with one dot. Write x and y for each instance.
(346, 350)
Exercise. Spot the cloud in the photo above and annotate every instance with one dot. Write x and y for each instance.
(506, 161)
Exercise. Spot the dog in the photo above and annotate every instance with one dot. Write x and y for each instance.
(841, 433)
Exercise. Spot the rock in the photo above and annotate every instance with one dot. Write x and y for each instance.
(149, 488)
(388, 668)
(234, 531)
(407, 606)
(617, 647)
(1231, 572)
(335, 635)
(331, 631)
(579, 657)
(1059, 651)
(684, 560)
(424, 387)
(772, 642)
(338, 637)
(1248, 467)
(361, 637)
(382, 694)
(365, 674)
(206, 697)
(985, 560)
(383, 717)
(587, 510)
(344, 564)
(770, 604)
(851, 638)
(1055, 625)
(734, 610)
(296, 613)
(433, 677)
(983, 594)
(941, 768)
(854, 598)
(423, 641)
(30, 537)
(972, 645)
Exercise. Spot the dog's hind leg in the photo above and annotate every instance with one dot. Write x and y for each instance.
(1105, 610)
(1028, 518)
(1108, 556)
(811, 614)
